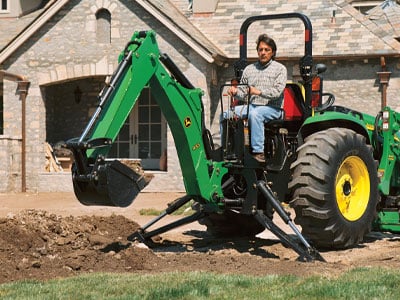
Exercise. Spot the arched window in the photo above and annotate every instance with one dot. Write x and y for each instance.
(103, 26)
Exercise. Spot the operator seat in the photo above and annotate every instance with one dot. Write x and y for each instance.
(293, 108)
(277, 131)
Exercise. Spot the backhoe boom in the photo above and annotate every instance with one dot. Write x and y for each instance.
(141, 66)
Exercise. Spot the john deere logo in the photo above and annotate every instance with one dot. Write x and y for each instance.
(187, 122)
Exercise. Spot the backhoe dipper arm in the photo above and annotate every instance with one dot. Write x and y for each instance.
(141, 65)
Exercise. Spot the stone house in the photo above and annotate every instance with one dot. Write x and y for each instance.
(66, 49)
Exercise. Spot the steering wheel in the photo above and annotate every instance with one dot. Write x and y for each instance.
(327, 103)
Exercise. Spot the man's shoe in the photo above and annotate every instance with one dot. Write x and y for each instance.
(259, 157)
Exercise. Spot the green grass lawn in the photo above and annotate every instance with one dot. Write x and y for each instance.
(360, 283)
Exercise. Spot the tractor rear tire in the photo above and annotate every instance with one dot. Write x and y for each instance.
(334, 188)
(231, 224)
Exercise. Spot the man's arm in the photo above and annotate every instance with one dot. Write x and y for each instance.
(242, 90)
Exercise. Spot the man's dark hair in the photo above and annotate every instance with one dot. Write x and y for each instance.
(269, 41)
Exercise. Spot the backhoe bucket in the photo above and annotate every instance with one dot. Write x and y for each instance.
(109, 184)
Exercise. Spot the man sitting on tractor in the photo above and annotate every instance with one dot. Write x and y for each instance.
(264, 81)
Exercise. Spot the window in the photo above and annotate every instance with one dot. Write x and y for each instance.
(143, 135)
(364, 6)
(103, 26)
(4, 5)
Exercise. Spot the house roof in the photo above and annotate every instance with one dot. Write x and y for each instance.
(339, 30)
(387, 17)
(15, 26)
(176, 21)
(25, 27)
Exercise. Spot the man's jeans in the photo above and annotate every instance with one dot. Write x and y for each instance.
(258, 115)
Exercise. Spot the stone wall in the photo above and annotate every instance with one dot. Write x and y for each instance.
(356, 85)
(66, 50)
(10, 164)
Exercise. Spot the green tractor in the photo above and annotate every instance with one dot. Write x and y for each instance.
(338, 168)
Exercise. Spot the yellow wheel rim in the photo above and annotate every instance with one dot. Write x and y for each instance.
(352, 188)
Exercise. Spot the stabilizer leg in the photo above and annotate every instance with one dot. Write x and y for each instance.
(142, 235)
(305, 250)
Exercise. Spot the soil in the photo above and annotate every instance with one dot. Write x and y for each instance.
(51, 235)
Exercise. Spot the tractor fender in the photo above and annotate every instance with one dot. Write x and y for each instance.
(343, 118)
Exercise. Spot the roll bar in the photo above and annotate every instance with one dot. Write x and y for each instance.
(306, 62)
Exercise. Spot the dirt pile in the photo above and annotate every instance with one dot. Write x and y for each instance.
(37, 244)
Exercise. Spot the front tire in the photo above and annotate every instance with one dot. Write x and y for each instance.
(335, 188)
